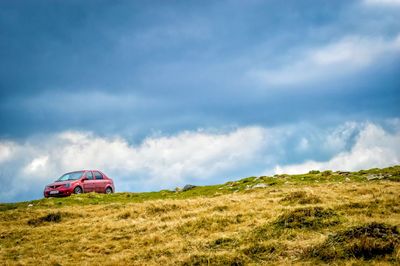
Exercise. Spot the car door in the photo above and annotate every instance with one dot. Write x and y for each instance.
(89, 184)
(100, 182)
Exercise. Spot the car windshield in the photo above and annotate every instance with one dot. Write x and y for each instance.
(71, 176)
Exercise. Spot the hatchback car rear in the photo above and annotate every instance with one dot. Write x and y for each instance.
(80, 182)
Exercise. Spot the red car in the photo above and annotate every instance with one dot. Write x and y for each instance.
(80, 182)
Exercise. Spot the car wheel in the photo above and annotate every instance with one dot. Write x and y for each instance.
(78, 190)
(109, 190)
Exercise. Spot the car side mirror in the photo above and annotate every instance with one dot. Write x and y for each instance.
(84, 178)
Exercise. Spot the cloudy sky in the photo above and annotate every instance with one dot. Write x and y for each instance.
(158, 94)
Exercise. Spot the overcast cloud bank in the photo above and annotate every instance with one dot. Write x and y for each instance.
(194, 156)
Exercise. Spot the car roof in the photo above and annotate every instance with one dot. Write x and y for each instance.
(85, 170)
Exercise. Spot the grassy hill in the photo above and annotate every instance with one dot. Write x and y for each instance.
(315, 218)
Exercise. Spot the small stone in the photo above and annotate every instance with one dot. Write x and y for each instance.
(261, 185)
(373, 177)
(188, 187)
(343, 173)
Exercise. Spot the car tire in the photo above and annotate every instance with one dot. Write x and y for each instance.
(78, 190)
(109, 190)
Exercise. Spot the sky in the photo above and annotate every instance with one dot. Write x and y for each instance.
(159, 94)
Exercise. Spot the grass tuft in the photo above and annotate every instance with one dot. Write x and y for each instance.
(209, 224)
(161, 208)
(312, 217)
(259, 251)
(223, 243)
(124, 216)
(220, 208)
(223, 259)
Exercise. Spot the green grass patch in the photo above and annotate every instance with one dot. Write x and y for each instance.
(313, 177)
(301, 197)
(7, 206)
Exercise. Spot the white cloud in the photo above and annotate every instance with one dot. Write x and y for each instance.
(345, 56)
(200, 154)
(162, 159)
(37, 165)
(374, 147)
(161, 162)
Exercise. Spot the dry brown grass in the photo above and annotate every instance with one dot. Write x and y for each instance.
(233, 229)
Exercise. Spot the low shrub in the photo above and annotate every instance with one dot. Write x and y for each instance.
(326, 173)
(313, 172)
(366, 241)
(51, 217)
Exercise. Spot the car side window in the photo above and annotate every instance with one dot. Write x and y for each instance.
(89, 175)
(98, 175)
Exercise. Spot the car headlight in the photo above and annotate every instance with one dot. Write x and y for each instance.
(67, 185)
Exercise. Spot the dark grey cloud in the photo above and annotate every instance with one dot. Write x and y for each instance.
(161, 49)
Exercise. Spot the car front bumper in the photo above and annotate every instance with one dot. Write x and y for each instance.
(57, 192)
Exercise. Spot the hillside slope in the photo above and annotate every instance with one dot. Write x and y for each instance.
(316, 218)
